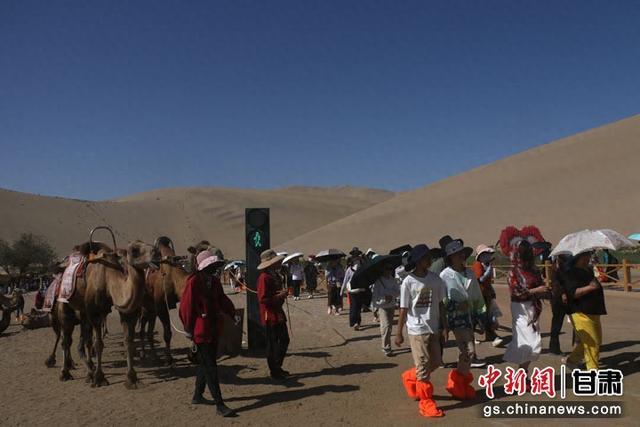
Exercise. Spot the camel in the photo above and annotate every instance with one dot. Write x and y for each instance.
(194, 250)
(164, 289)
(56, 325)
(107, 282)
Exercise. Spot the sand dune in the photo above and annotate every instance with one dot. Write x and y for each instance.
(589, 180)
(184, 214)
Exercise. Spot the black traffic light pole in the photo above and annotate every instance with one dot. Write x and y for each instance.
(257, 240)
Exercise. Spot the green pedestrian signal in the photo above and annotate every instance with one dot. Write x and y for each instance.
(257, 240)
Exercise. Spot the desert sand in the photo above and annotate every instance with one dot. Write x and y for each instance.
(339, 377)
(589, 180)
(187, 215)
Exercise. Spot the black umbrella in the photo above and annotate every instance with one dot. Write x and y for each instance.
(400, 250)
(369, 272)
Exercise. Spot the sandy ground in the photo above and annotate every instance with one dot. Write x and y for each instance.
(340, 377)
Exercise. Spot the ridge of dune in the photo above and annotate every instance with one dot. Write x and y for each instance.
(581, 181)
(186, 215)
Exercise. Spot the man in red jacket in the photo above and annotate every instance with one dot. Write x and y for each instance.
(201, 304)
(271, 296)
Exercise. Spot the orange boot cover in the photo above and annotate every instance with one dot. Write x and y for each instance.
(427, 407)
(469, 391)
(456, 385)
(409, 382)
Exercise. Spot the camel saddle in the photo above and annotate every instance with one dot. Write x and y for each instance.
(52, 293)
(75, 268)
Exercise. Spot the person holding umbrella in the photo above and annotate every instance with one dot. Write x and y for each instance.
(357, 296)
(311, 276)
(296, 273)
(465, 310)
(422, 311)
(271, 297)
(586, 302)
(334, 275)
(585, 296)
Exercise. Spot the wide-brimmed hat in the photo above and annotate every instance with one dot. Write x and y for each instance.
(417, 253)
(453, 246)
(355, 251)
(482, 248)
(269, 258)
(207, 258)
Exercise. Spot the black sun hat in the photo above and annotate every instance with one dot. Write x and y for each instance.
(452, 246)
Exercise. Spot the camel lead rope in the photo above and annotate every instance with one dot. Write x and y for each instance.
(166, 301)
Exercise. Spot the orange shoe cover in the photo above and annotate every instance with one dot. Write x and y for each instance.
(469, 391)
(409, 382)
(427, 407)
(456, 385)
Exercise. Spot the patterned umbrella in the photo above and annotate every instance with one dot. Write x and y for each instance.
(591, 240)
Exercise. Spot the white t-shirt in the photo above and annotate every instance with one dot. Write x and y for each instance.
(296, 271)
(421, 296)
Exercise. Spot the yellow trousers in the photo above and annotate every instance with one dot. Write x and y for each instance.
(589, 330)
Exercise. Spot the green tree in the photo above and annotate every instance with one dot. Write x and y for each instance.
(25, 253)
(6, 256)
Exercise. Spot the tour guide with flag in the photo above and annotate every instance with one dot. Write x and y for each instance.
(201, 304)
(271, 297)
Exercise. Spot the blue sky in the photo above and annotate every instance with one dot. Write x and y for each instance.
(105, 98)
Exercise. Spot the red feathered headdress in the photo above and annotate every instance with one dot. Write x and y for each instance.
(511, 236)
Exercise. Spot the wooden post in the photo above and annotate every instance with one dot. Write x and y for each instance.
(626, 275)
(547, 274)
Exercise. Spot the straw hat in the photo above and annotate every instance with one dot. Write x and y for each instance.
(269, 258)
(482, 248)
(207, 258)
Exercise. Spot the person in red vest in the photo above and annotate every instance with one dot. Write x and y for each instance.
(271, 297)
(201, 305)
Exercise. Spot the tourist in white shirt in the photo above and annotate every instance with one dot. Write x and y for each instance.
(465, 310)
(385, 291)
(422, 310)
(296, 272)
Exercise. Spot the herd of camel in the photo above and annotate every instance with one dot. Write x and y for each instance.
(142, 282)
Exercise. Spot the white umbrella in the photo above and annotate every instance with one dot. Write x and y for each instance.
(234, 264)
(292, 257)
(329, 254)
(591, 240)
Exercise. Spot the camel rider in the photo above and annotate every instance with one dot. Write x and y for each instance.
(202, 302)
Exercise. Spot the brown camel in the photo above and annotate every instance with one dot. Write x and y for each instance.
(164, 289)
(106, 283)
(56, 325)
